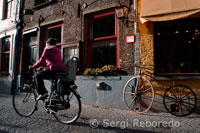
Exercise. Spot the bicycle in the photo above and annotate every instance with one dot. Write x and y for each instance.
(63, 102)
(138, 95)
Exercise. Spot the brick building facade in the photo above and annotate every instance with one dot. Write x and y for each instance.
(88, 29)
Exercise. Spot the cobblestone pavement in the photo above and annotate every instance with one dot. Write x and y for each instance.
(94, 119)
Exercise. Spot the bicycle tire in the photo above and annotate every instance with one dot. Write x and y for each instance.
(141, 83)
(70, 115)
(180, 98)
(24, 100)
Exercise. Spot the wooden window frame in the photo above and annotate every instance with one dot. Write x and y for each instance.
(56, 26)
(8, 3)
(95, 16)
(3, 53)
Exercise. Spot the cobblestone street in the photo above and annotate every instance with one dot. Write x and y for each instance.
(94, 119)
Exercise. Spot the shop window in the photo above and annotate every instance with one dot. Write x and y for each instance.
(5, 54)
(9, 9)
(102, 45)
(177, 46)
(69, 52)
(55, 32)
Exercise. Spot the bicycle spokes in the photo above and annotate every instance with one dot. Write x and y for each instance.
(180, 100)
(138, 94)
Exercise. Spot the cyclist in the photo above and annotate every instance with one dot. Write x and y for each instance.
(51, 58)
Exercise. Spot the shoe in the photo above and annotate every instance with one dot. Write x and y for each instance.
(41, 97)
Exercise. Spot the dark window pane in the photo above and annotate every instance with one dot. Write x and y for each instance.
(5, 54)
(7, 45)
(55, 33)
(6, 59)
(104, 53)
(177, 46)
(103, 26)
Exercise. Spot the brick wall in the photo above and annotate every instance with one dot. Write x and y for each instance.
(74, 31)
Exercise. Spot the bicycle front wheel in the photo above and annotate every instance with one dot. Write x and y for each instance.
(180, 100)
(138, 94)
(24, 100)
(72, 108)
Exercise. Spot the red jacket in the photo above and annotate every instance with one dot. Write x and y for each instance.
(51, 56)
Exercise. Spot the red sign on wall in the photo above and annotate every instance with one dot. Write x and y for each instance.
(130, 39)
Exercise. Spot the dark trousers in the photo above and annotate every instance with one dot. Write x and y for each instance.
(39, 77)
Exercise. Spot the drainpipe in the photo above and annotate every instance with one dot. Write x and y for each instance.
(137, 42)
(135, 13)
(17, 44)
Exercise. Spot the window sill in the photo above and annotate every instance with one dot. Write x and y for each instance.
(104, 38)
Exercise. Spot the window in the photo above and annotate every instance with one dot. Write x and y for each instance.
(103, 26)
(55, 32)
(5, 54)
(102, 43)
(177, 46)
(69, 52)
(9, 9)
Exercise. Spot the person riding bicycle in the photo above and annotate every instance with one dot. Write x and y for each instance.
(51, 58)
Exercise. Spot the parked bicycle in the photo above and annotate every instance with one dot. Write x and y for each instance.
(138, 95)
(63, 102)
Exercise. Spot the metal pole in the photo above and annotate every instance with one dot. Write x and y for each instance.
(135, 11)
(18, 41)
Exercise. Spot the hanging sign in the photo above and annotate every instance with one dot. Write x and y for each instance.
(130, 39)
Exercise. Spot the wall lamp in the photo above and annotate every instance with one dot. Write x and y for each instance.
(121, 12)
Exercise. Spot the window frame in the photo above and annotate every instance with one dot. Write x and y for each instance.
(53, 27)
(4, 53)
(91, 40)
(70, 45)
(8, 12)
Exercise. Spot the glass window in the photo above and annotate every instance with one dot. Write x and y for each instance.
(69, 52)
(103, 26)
(103, 53)
(55, 32)
(103, 42)
(5, 54)
(177, 46)
(9, 9)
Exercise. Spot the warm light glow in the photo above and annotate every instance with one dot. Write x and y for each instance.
(177, 32)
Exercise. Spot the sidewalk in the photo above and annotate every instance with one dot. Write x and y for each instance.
(94, 119)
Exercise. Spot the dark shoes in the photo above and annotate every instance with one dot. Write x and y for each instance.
(42, 97)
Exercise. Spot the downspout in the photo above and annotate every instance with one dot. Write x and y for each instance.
(135, 13)
(18, 41)
(137, 39)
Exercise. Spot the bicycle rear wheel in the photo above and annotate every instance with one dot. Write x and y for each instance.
(24, 100)
(138, 94)
(180, 100)
(71, 113)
